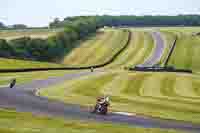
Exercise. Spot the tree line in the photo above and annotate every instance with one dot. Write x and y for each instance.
(76, 28)
(126, 20)
(52, 48)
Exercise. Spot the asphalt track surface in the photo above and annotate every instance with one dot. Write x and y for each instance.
(22, 99)
(157, 51)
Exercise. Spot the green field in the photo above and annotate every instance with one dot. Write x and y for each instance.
(99, 49)
(187, 52)
(12, 122)
(15, 64)
(166, 95)
(33, 33)
(188, 30)
(140, 48)
(163, 95)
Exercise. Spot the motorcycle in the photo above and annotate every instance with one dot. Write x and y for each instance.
(102, 106)
(12, 84)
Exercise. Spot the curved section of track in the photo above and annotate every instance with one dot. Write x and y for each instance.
(21, 99)
(158, 50)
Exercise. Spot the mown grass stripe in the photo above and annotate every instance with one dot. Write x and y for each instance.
(195, 64)
(116, 85)
(97, 51)
(137, 58)
(116, 42)
(186, 53)
(196, 86)
(100, 52)
(134, 84)
(144, 51)
(92, 87)
(168, 84)
(76, 57)
(151, 105)
(128, 53)
(184, 88)
(73, 57)
(149, 88)
(150, 46)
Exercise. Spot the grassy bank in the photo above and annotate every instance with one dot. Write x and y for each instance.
(12, 122)
(186, 53)
(140, 48)
(98, 49)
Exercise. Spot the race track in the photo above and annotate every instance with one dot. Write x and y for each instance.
(158, 50)
(22, 99)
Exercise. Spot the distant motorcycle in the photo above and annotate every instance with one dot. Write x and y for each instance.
(101, 106)
(12, 84)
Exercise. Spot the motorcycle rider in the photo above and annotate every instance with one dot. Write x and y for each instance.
(92, 69)
(104, 99)
(102, 104)
(13, 82)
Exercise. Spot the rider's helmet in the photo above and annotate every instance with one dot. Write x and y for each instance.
(100, 98)
(103, 99)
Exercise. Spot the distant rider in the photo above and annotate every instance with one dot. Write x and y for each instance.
(13, 82)
(92, 69)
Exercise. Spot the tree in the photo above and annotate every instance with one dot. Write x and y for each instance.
(5, 48)
(20, 46)
(38, 49)
(56, 23)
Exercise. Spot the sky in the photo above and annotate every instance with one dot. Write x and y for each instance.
(41, 12)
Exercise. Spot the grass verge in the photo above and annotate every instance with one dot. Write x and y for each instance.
(13, 122)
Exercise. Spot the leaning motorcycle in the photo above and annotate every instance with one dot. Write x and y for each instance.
(101, 108)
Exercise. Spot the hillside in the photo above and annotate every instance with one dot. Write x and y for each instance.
(187, 52)
(99, 49)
